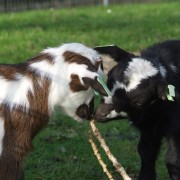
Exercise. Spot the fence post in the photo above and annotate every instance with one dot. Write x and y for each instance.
(27, 4)
(105, 2)
(49, 3)
(5, 5)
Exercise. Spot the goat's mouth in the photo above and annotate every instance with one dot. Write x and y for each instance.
(102, 112)
(83, 112)
(106, 112)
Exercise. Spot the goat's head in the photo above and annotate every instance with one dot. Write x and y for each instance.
(135, 83)
(79, 68)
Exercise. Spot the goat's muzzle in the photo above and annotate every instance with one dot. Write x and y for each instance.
(83, 112)
(102, 112)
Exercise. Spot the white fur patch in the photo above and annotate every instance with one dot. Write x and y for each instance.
(14, 92)
(2, 132)
(114, 114)
(73, 100)
(42, 68)
(138, 70)
(163, 71)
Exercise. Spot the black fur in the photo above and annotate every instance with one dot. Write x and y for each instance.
(147, 105)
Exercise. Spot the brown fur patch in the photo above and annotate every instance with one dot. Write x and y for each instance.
(9, 71)
(75, 84)
(16, 142)
(38, 101)
(41, 57)
(99, 64)
(72, 57)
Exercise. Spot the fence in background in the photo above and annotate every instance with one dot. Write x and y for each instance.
(19, 5)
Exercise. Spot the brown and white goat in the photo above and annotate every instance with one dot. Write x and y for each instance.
(62, 77)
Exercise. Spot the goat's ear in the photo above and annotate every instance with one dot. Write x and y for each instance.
(116, 53)
(162, 90)
(93, 83)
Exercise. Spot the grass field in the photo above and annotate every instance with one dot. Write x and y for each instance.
(62, 151)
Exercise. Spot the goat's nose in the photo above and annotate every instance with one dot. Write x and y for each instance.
(99, 115)
(102, 111)
(83, 112)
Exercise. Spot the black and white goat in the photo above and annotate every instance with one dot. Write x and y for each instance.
(62, 77)
(139, 86)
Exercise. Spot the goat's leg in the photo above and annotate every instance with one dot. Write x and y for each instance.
(148, 149)
(10, 169)
(173, 157)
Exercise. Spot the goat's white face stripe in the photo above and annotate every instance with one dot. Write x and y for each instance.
(2, 132)
(14, 92)
(137, 70)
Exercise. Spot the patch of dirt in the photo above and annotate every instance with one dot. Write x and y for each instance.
(108, 64)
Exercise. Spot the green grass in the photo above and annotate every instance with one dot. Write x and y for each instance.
(62, 150)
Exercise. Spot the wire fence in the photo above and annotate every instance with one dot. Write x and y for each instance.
(22, 5)
(19, 5)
